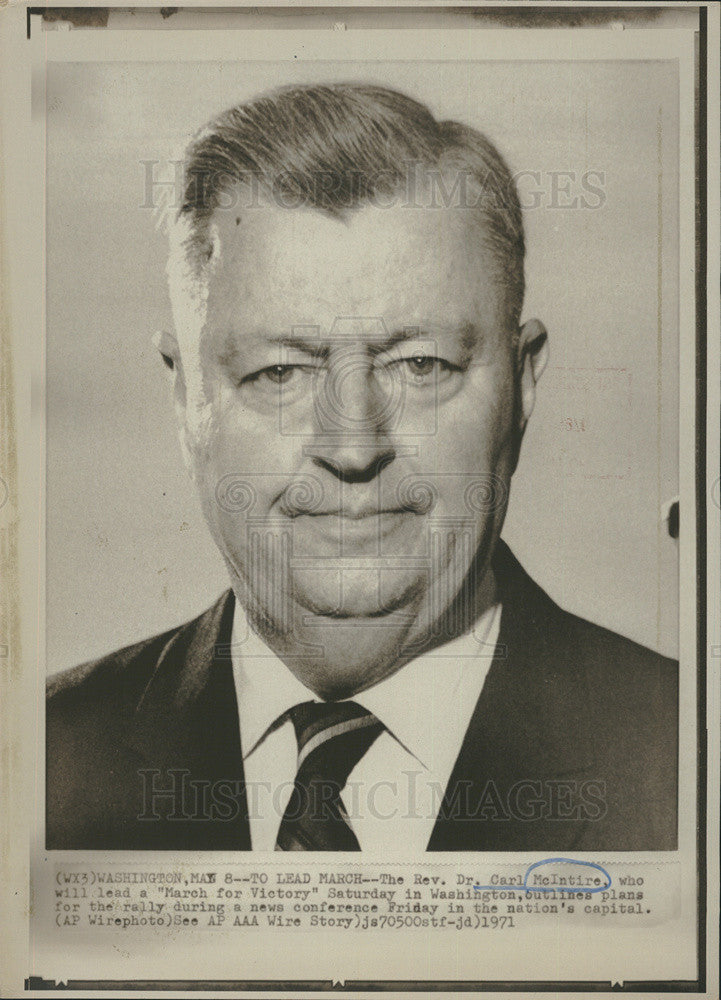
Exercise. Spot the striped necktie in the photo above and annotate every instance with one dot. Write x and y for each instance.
(332, 738)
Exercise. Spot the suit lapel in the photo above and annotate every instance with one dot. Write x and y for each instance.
(526, 751)
(186, 727)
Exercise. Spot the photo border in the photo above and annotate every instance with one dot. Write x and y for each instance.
(36, 983)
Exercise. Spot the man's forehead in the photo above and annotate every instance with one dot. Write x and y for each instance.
(356, 240)
(371, 261)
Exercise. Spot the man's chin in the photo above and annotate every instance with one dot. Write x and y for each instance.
(354, 595)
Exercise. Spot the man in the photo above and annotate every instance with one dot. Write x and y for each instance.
(352, 383)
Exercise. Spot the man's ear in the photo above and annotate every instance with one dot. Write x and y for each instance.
(167, 345)
(169, 350)
(531, 359)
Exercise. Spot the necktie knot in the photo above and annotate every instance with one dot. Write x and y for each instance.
(339, 732)
(332, 737)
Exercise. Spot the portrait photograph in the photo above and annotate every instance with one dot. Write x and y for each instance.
(379, 365)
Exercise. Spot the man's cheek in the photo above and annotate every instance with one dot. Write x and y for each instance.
(202, 424)
(237, 443)
(474, 474)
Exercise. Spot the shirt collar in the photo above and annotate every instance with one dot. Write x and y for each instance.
(426, 705)
(265, 687)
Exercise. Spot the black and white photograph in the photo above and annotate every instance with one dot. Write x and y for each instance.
(352, 368)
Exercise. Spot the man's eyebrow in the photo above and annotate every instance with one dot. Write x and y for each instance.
(467, 334)
(315, 348)
(229, 353)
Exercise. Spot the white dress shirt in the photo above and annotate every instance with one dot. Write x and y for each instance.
(394, 793)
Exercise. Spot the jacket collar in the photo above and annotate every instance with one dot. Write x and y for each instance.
(185, 727)
(190, 686)
(527, 732)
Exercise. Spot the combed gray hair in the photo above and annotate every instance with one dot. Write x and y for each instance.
(338, 147)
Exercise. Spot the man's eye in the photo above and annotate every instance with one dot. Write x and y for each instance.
(421, 366)
(278, 374)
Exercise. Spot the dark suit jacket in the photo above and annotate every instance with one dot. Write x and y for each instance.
(572, 745)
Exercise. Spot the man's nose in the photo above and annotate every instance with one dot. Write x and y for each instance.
(352, 416)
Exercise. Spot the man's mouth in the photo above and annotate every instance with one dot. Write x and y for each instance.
(358, 526)
(357, 513)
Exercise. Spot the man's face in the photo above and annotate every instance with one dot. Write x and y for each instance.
(348, 415)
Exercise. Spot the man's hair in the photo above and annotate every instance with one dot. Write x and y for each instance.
(338, 147)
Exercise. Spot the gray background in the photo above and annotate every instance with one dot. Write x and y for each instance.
(127, 551)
